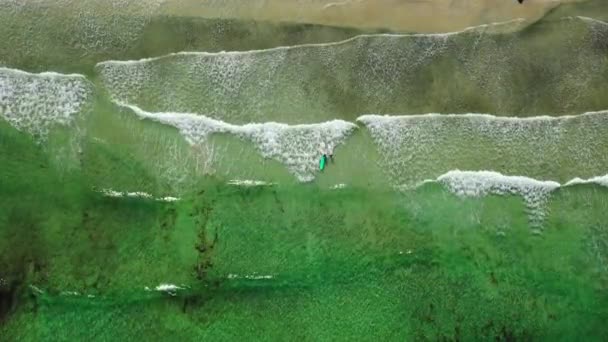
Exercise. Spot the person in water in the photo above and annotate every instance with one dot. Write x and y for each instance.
(323, 162)
(326, 155)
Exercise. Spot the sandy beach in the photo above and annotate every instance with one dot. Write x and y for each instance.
(400, 15)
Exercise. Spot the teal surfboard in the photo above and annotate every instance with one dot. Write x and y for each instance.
(322, 163)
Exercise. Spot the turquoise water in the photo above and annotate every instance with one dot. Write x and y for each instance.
(152, 186)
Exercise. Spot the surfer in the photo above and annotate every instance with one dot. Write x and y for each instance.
(323, 162)
(327, 153)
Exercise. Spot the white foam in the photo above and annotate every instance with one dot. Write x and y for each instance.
(112, 193)
(248, 182)
(169, 199)
(534, 192)
(168, 288)
(600, 180)
(338, 186)
(250, 276)
(592, 20)
(137, 194)
(35, 102)
(295, 146)
(481, 183)
(375, 119)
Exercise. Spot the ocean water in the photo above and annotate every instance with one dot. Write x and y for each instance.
(159, 178)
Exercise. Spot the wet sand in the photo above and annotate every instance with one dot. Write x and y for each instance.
(424, 16)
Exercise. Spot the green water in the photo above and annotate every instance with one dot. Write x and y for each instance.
(377, 259)
(349, 263)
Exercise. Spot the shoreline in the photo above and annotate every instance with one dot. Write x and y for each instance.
(432, 16)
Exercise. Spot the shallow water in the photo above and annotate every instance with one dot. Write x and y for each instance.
(152, 186)
(479, 70)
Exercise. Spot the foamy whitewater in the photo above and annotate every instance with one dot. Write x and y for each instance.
(168, 288)
(481, 183)
(295, 146)
(137, 194)
(35, 102)
(535, 193)
(602, 180)
(414, 147)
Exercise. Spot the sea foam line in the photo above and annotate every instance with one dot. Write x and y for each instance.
(535, 193)
(601, 180)
(137, 194)
(479, 183)
(196, 128)
(370, 119)
(248, 182)
(407, 140)
(590, 20)
(168, 288)
(296, 146)
(314, 45)
(210, 126)
(50, 74)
